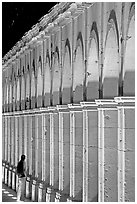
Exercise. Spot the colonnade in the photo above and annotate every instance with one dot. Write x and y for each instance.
(68, 104)
(82, 152)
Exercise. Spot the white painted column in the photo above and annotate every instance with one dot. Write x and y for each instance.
(29, 119)
(100, 156)
(3, 137)
(20, 136)
(121, 154)
(107, 146)
(25, 136)
(85, 156)
(16, 140)
(72, 153)
(51, 150)
(12, 140)
(126, 148)
(36, 145)
(8, 140)
(60, 151)
(43, 147)
(6, 137)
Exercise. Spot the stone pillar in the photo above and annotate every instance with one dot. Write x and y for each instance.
(90, 152)
(43, 146)
(28, 187)
(3, 137)
(126, 149)
(76, 152)
(47, 155)
(29, 145)
(107, 154)
(40, 192)
(33, 197)
(6, 138)
(64, 151)
(36, 145)
(9, 135)
(16, 140)
(20, 136)
(51, 150)
(25, 138)
(10, 176)
(12, 139)
(13, 178)
(60, 151)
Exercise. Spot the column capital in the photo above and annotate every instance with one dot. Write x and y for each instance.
(75, 107)
(125, 101)
(62, 108)
(89, 105)
(106, 103)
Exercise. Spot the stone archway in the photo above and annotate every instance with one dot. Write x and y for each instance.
(27, 90)
(111, 64)
(18, 94)
(92, 82)
(32, 89)
(47, 83)
(66, 78)
(56, 79)
(22, 93)
(39, 85)
(78, 73)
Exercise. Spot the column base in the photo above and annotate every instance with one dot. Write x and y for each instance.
(10, 177)
(40, 192)
(50, 195)
(58, 197)
(34, 193)
(16, 182)
(6, 174)
(28, 192)
(3, 172)
(13, 179)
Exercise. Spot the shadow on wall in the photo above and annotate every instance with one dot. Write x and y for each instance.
(92, 90)
(129, 84)
(110, 87)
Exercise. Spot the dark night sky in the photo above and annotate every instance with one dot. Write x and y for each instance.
(18, 18)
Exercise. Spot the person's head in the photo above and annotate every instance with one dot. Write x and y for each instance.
(23, 157)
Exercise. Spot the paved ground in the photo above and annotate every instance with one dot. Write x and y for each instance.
(9, 195)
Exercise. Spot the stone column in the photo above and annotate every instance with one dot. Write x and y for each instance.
(76, 152)
(126, 149)
(107, 150)
(12, 140)
(36, 145)
(16, 140)
(6, 147)
(20, 136)
(90, 152)
(29, 145)
(3, 137)
(60, 151)
(43, 146)
(64, 152)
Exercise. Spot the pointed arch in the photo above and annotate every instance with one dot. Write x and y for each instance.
(66, 74)
(111, 69)
(92, 75)
(78, 71)
(47, 81)
(39, 83)
(129, 58)
(22, 88)
(56, 83)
